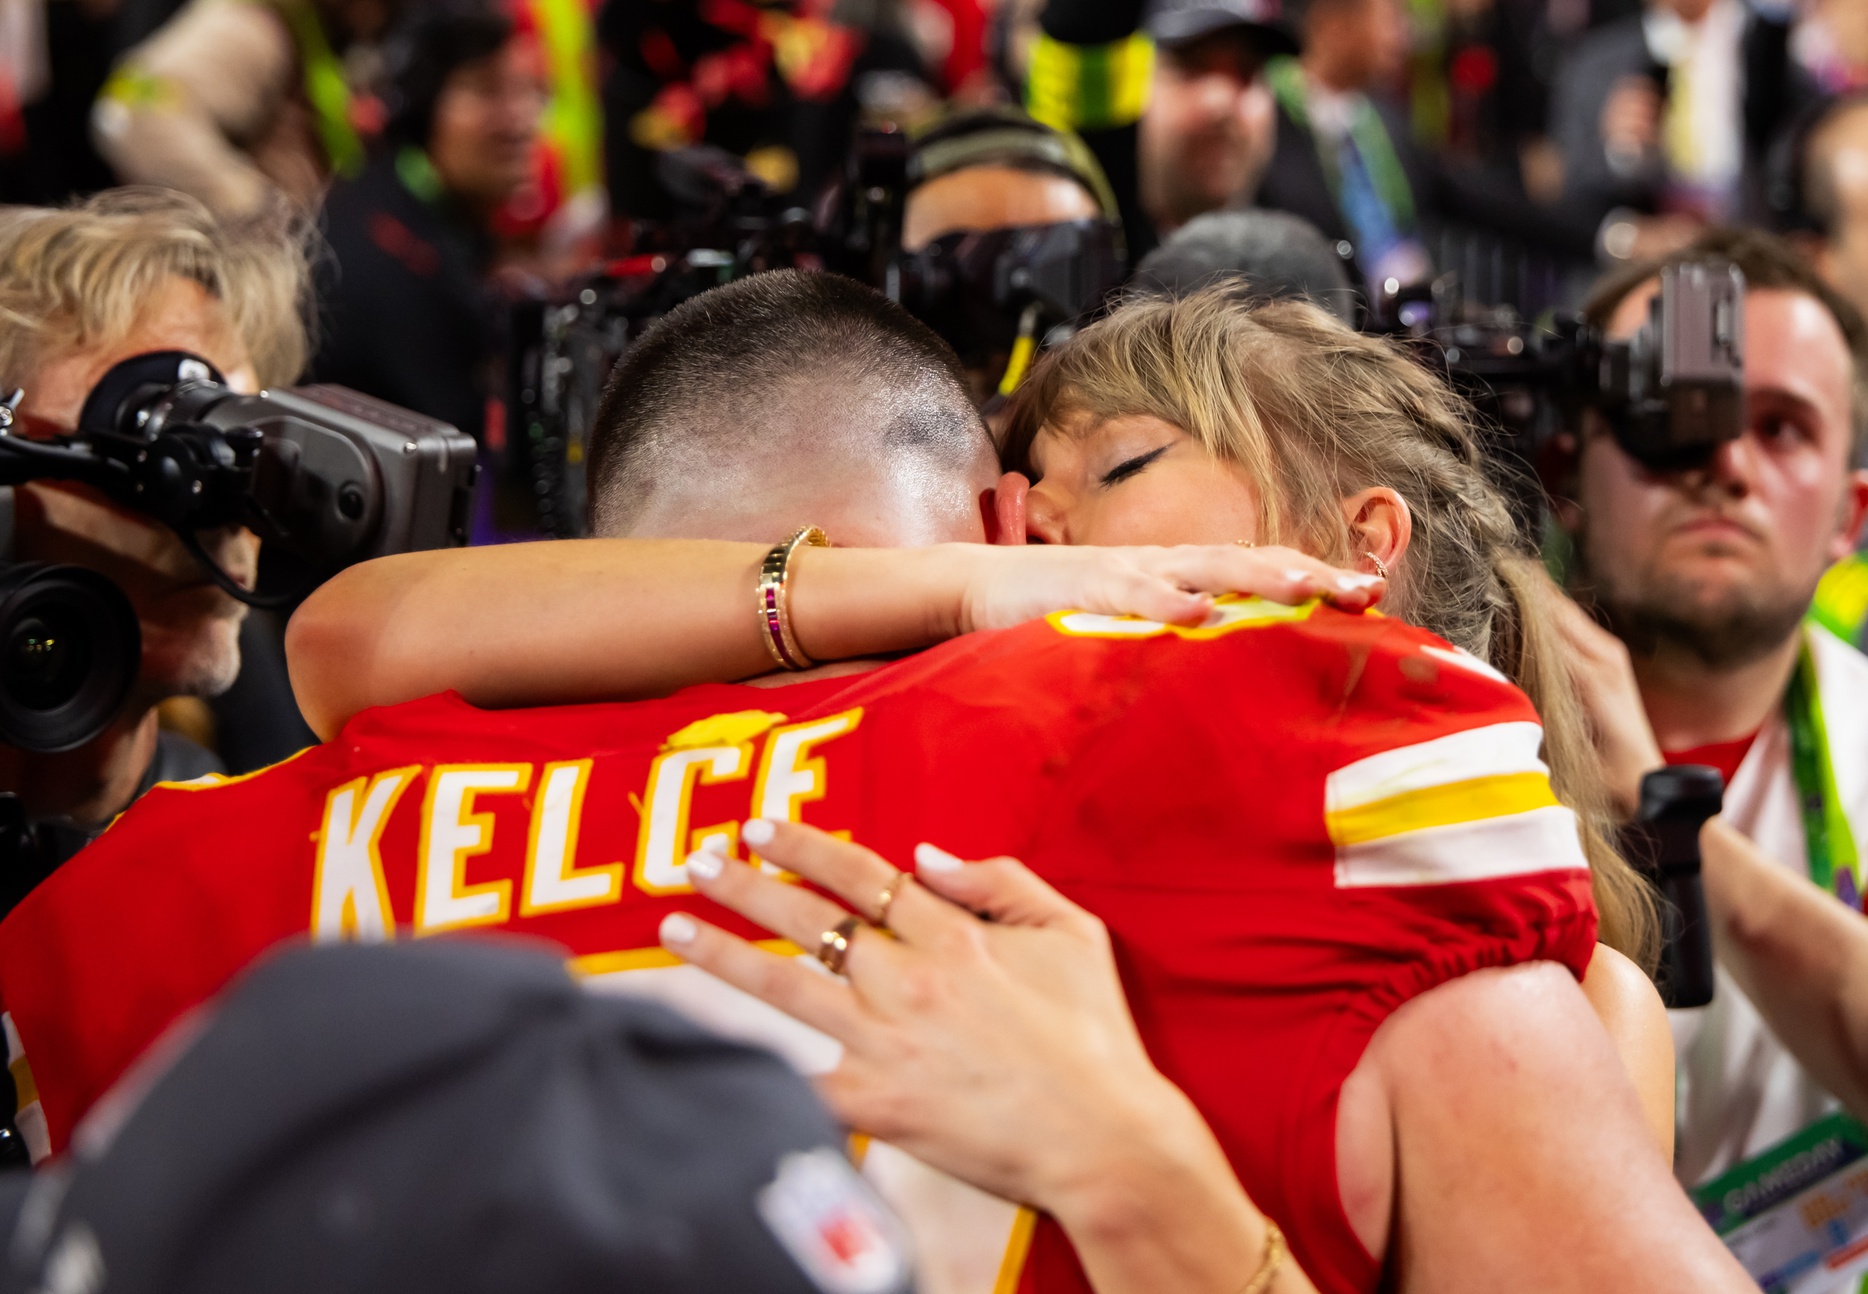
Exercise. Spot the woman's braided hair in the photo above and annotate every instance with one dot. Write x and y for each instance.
(1297, 399)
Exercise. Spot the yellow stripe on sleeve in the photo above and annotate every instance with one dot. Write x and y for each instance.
(1441, 806)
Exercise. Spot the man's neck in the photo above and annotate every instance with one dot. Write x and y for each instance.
(1690, 704)
(90, 785)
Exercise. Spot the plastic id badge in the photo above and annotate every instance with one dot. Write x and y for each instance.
(1796, 1216)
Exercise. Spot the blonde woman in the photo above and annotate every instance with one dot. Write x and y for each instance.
(1149, 427)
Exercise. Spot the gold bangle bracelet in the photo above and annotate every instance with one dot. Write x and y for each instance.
(774, 607)
(1276, 1251)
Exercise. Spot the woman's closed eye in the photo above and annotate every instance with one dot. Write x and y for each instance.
(1129, 467)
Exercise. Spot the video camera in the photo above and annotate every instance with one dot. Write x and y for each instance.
(325, 473)
(981, 291)
(1671, 394)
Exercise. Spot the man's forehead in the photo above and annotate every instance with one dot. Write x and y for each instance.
(1777, 308)
(1793, 344)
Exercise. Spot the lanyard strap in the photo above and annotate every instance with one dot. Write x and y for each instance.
(1830, 844)
(1366, 131)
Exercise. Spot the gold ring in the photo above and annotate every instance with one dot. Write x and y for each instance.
(1381, 567)
(886, 899)
(833, 946)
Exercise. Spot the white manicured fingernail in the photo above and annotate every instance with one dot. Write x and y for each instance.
(706, 864)
(678, 928)
(716, 845)
(932, 858)
(1350, 583)
(759, 831)
(1299, 577)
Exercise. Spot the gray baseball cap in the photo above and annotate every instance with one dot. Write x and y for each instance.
(450, 1116)
(1181, 22)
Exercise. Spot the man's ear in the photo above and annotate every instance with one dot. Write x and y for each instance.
(1380, 526)
(1008, 509)
(1854, 515)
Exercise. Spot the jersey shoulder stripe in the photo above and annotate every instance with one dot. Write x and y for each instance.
(1465, 806)
(1518, 844)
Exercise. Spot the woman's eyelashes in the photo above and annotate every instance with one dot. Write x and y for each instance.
(1129, 467)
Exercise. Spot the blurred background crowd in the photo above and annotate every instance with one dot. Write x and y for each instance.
(462, 155)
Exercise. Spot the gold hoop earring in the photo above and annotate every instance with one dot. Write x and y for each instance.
(1381, 567)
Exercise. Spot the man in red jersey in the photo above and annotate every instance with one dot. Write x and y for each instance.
(1301, 826)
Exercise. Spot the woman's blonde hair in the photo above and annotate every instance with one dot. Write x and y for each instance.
(80, 276)
(1314, 412)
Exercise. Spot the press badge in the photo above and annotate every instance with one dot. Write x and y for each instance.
(1796, 1216)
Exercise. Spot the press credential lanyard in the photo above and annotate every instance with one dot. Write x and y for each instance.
(1830, 844)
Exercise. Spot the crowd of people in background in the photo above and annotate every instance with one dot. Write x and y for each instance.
(460, 154)
(1446, 1066)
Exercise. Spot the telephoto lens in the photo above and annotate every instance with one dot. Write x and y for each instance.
(69, 653)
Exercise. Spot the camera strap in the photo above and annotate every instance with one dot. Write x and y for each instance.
(1828, 841)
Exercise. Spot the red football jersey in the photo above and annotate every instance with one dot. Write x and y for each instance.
(1292, 820)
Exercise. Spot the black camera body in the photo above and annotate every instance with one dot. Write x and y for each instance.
(330, 475)
(1671, 394)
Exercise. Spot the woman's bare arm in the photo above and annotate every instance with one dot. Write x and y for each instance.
(1626, 1002)
(1521, 1155)
(602, 619)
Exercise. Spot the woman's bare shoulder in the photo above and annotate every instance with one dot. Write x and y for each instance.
(1629, 1006)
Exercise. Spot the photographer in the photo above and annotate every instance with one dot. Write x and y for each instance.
(128, 272)
(1705, 575)
(996, 169)
(407, 313)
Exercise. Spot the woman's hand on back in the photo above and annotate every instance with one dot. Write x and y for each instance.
(999, 1049)
(1177, 585)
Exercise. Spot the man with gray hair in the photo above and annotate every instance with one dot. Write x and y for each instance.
(81, 289)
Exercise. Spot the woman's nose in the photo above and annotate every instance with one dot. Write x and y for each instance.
(1045, 516)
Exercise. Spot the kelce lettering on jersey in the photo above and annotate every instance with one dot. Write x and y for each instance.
(464, 874)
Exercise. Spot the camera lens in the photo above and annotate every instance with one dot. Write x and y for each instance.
(69, 651)
(47, 658)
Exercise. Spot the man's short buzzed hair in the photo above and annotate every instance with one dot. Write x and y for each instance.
(734, 371)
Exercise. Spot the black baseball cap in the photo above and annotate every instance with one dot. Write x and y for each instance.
(450, 1115)
(1181, 22)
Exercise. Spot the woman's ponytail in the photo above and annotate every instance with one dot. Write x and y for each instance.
(1527, 647)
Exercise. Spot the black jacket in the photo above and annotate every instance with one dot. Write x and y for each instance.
(1776, 89)
(405, 311)
(1295, 181)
